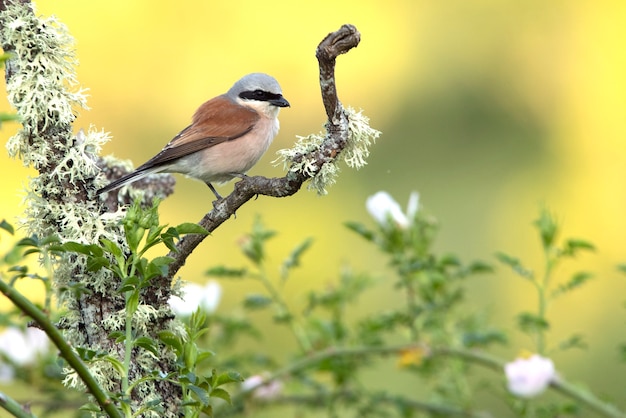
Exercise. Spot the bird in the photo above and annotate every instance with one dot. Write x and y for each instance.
(227, 136)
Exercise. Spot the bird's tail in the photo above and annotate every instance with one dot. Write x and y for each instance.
(127, 179)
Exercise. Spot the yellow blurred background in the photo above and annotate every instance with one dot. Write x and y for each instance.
(488, 108)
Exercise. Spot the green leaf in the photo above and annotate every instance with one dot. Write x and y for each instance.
(548, 228)
(515, 264)
(23, 270)
(154, 234)
(226, 272)
(28, 242)
(117, 365)
(293, 260)
(86, 249)
(7, 226)
(6, 56)
(157, 269)
(577, 280)
(573, 246)
(222, 394)
(484, 338)
(256, 301)
(529, 322)
(203, 395)
(622, 351)
(191, 228)
(132, 302)
(575, 341)
(171, 340)
(151, 269)
(449, 260)
(134, 234)
(228, 377)
(162, 261)
(361, 230)
(253, 246)
(96, 263)
(91, 407)
(118, 336)
(8, 117)
(203, 355)
(86, 354)
(111, 247)
(478, 267)
(14, 256)
(32, 251)
(51, 239)
(129, 284)
(147, 344)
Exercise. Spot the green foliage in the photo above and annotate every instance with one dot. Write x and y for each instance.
(344, 346)
(537, 323)
(434, 339)
(135, 271)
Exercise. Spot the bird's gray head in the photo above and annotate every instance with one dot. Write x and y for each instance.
(258, 87)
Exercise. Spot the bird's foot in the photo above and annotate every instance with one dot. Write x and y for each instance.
(239, 175)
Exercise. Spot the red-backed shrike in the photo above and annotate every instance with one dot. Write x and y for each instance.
(227, 136)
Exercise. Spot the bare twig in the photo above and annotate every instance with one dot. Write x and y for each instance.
(333, 45)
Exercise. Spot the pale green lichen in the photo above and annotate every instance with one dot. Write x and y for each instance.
(79, 164)
(42, 87)
(362, 136)
(354, 154)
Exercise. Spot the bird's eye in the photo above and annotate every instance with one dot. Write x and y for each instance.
(259, 94)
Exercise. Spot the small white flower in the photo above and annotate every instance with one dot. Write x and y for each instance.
(383, 207)
(23, 347)
(528, 377)
(262, 389)
(207, 297)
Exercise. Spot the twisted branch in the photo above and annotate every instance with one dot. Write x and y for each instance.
(333, 45)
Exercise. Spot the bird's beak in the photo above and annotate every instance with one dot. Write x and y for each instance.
(280, 102)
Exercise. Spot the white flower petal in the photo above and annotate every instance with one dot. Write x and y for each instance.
(211, 294)
(413, 205)
(261, 389)
(529, 377)
(188, 302)
(382, 207)
(23, 347)
(193, 296)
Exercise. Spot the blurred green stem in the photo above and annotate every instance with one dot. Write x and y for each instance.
(583, 396)
(66, 351)
(283, 311)
(587, 398)
(408, 278)
(128, 344)
(412, 307)
(471, 356)
(542, 290)
(13, 407)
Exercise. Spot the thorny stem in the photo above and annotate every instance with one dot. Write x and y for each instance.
(471, 356)
(65, 350)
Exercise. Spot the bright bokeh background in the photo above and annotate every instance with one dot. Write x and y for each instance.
(488, 108)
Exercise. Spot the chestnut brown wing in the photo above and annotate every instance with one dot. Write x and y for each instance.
(216, 121)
